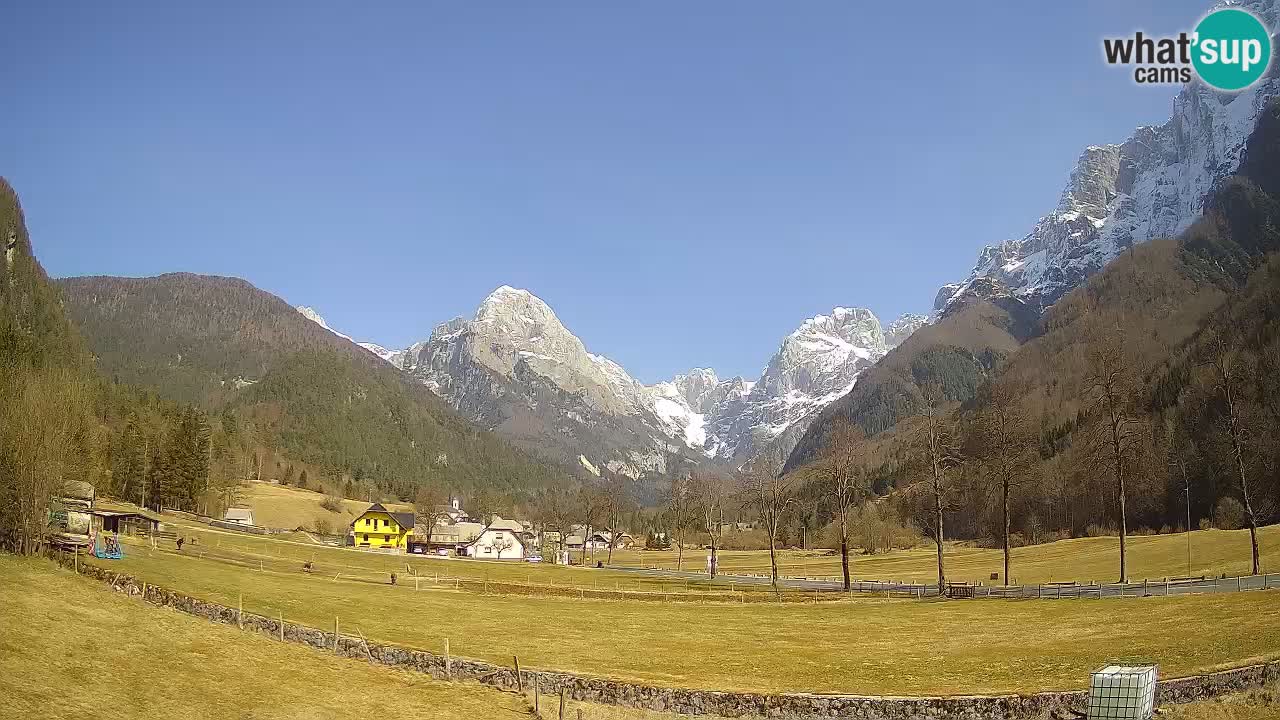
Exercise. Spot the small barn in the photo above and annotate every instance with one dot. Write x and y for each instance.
(239, 515)
(125, 519)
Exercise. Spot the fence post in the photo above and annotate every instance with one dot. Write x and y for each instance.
(448, 661)
(562, 702)
(335, 634)
(537, 711)
(281, 626)
(519, 680)
(239, 609)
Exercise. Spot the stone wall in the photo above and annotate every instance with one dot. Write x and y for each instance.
(1055, 705)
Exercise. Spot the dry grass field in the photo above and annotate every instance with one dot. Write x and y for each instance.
(281, 506)
(1081, 559)
(69, 647)
(862, 645)
(1262, 704)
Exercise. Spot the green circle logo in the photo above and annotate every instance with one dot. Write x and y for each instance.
(1232, 49)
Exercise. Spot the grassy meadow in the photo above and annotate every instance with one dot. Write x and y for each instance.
(69, 647)
(282, 506)
(1080, 559)
(862, 645)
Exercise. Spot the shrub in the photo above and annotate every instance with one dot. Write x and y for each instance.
(745, 540)
(876, 528)
(1205, 524)
(1229, 515)
(323, 526)
(331, 503)
(1096, 530)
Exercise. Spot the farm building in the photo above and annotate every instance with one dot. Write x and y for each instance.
(123, 518)
(380, 528)
(453, 537)
(500, 540)
(239, 515)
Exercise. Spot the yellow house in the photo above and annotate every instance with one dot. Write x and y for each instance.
(379, 527)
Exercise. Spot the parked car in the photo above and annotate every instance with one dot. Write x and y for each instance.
(533, 558)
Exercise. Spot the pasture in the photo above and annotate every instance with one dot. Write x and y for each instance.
(69, 647)
(1080, 559)
(282, 506)
(859, 645)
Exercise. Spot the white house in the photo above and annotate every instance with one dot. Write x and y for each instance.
(239, 515)
(500, 540)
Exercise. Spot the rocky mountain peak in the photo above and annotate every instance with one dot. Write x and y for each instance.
(695, 386)
(1149, 186)
(823, 351)
(902, 328)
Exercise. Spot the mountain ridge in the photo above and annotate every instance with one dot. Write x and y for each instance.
(515, 368)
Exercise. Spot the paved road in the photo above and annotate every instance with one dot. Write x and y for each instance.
(1046, 591)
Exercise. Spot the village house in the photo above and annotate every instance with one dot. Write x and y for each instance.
(380, 528)
(446, 537)
(500, 540)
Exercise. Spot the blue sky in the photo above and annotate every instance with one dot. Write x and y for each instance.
(682, 182)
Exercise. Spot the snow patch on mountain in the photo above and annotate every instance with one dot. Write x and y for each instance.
(315, 317)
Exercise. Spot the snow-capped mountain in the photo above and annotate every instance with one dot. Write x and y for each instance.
(687, 401)
(515, 368)
(902, 328)
(395, 357)
(1152, 185)
(315, 317)
(815, 365)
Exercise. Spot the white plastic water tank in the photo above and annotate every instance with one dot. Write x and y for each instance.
(1122, 692)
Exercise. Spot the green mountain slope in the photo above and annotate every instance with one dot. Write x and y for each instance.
(47, 429)
(313, 396)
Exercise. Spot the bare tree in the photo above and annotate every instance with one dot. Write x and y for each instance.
(772, 492)
(679, 509)
(554, 508)
(1224, 362)
(1006, 444)
(941, 453)
(1118, 433)
(590, 510)
(842, 475)
(44, 436)
(430, 506)
(488, 502)
(501, 543)
(708, 491)
(615, 501)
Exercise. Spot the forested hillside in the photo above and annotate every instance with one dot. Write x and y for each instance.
(47, 431)
(285, 388)
(957, 354)
(1155, 380)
